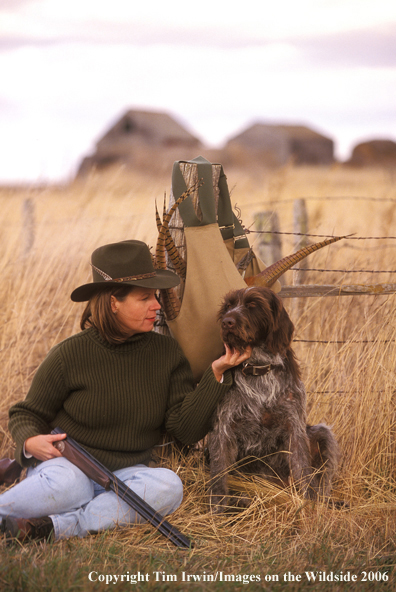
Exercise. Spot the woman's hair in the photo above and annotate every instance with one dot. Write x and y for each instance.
(98, 314)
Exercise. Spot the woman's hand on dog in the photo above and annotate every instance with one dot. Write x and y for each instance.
(231, 358)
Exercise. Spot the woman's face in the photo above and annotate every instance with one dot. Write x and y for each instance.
(137, 313)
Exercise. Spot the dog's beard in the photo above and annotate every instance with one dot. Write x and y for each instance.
(236, 341)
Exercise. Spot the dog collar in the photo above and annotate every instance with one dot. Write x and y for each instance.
(252, 370)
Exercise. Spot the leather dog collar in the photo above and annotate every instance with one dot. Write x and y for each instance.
(252, 370)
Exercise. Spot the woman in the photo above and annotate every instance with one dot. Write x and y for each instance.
(112, 387)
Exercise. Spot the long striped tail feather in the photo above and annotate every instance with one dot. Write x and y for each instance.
(272, 273)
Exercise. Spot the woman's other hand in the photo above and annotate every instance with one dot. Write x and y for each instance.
(41, 447)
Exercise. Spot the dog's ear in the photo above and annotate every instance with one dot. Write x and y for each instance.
(280, 338)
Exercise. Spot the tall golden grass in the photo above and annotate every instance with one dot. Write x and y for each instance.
(346, 346)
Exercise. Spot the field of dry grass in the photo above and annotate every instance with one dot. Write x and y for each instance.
(346, 346)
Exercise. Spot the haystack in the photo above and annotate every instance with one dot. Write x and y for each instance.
(374, 153)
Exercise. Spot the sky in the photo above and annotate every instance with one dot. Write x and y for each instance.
(69, 70)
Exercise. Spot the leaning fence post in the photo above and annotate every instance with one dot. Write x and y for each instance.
(28, 226)
(269, 245)
(300, 228)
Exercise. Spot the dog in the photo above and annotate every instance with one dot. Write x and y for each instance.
(260, 426)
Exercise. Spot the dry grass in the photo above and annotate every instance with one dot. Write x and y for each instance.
(351, 382)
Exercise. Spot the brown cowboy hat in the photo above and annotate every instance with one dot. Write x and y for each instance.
(125, 263)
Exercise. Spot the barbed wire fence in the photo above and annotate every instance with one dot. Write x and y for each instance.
(268, 246)
(267, 229)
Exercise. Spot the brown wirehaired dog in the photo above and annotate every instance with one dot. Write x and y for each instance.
(260, 425)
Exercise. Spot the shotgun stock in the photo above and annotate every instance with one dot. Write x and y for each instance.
(10, 471)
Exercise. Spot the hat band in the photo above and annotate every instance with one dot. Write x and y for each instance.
(142, 276)
(130, 278)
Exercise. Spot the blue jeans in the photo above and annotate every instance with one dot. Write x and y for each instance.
(78, 506)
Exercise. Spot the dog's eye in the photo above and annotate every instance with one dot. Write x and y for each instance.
(229, 306)
(251, 305)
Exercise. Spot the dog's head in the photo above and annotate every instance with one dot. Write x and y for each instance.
(256, 317)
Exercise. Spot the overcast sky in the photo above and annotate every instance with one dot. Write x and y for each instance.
(69, 69)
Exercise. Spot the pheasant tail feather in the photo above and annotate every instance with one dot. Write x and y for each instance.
(272, 273)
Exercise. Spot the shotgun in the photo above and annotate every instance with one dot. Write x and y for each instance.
(93, 469)
(80, 457)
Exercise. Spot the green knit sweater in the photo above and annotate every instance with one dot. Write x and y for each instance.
(115, 399)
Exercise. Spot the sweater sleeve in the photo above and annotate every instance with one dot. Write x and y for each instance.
(189, 414)
(33, 416)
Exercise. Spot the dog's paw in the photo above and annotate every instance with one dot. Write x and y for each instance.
(218, 503)
(339, 504)
(217, 510)
(240, 502)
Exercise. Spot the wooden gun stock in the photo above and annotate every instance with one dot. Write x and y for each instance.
(10, 471)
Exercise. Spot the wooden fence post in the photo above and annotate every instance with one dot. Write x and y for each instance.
(28, 226)
(269, 245)
(300, 227)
